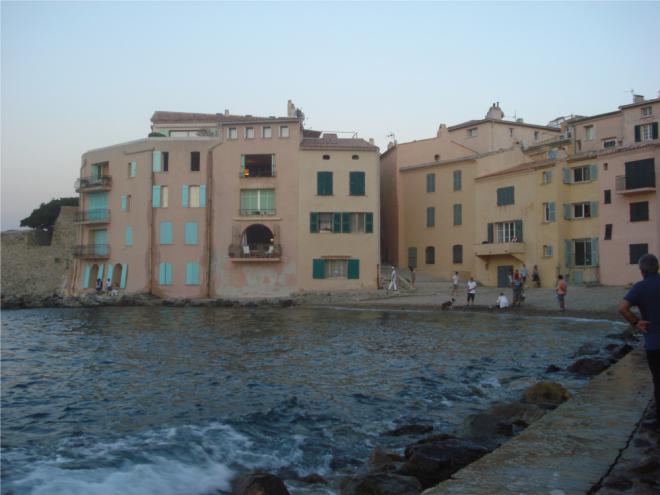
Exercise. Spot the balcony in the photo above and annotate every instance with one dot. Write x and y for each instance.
(103, 183)
(255, 252)
(260, 212)
(257, 166)
(92, 216)
(92, 251)
(624, 186)
(499, 249)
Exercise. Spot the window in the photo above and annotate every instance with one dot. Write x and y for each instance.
(589, 132)
(430, 216)
(547, 251)
(430, 183)
(326, 157)
(639, 212)
(356, 183)
(257, 202)
(165, 274)
(536, 135)
(132, 169)
(582, 174)
(325, 222)
(164, 197)
(355, 157)
(607, 196)
(166, 161)
(166, 233)
(232, 133)
(457, 254)
(646, 111)
(509, 231)
(581, 210)
(194, 161)
(357, 222)
(192, 273)
(341, 223)
(128, 236)
(412, 257)
(436, 158)
(605, 166)
(324, 183)
(639, 174)
(249, 133)
(636, 251)
(284, 131)
(608, 232)
(473, 132)
(194, 196)
(457, 180)
(646, 132)
(190, 234)
(430, 255)
(266, 132)
(458, 214)
(549, 213)
(546, 178)
(505, 196)
(609, 143)
(582, 251)
(257, 165)
(336, 268)
(159, 197)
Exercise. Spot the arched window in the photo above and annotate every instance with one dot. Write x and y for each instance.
(430, 255)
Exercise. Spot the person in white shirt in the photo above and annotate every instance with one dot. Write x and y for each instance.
(471, 291)
(392, 285)
(502, 301)
(454, 281)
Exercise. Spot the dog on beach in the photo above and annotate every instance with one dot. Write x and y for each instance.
(447, 304)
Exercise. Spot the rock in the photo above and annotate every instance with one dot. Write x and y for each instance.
(588, 366)
(647, 465)
(259, 484)
(501, 420)
(434, 462)
(409, 430)
(381, 484)
(588, 349)
(546, 394)
(552, 369)
(619, 483)
(314, 479)
(620, 351)
(628, 335)
(383, 460)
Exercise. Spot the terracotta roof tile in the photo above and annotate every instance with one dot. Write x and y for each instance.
(161, 117)
(520, 168)
(330, 142)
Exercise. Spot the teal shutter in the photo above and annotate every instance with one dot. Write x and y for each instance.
(202, 195)
(155, 197)
(133, 168)
(123, 202)
(124, 273)
(101, 268)
(184, 195)
(458, 214)
(336, 223)
(86, 273)
(369, 223)
(491, 233)
(594, 251)
(324, 183)
(110, 268)
(638, 133)
(356, 183)
(551, 212)
(593, 206)
(190, 233)
(518, 229)
(457, 180)
(156, 161)
(242, 165)
(192, 273)
(161, 274)
(128, 236)
(568, 244)
(567, 175)
(567, 211)
(313, 222)
(165, 274)
(353, 269)
(593, 172)
(166, 232)
(318, 269)
(346, 223)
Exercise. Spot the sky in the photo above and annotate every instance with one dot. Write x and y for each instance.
(77, 76)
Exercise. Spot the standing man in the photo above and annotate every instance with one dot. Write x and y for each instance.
(523, 274)
(646, 296)
(454, 283)
(393, 276)
(413, 277)
(561, 289)
(471, 291)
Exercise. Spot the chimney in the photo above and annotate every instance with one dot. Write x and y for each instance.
(290, 109)
(638, 98)
(372, 142)
(391, 144)
(226, 111)
(441, 129)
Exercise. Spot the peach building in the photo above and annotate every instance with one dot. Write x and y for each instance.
(221, 205)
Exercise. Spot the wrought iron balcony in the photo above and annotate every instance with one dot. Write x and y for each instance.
(93, 216)
(644, 185)
(92, 251)
(259, 212)
(255, 252)
(102, 183)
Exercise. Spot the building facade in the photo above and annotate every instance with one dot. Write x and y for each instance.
(220, 205)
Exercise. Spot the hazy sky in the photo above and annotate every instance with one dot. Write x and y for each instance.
(76, 76)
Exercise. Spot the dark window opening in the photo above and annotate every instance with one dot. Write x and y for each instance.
(354, 157)
(608, 232)
(430, 255)
(639, 212)
(436, 158)
(194, 161)
(166, 161)
(636, 251)
(457, 253)
(608, 196)
(259, 166)
(326, 157)
(258, 238)
(640, 173)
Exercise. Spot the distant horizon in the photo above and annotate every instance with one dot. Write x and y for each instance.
(79, 76)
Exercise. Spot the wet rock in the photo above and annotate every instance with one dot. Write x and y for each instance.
(619, 483)
(259, 484)
(409, 430)
(381, 484)
(501, 420)
(628, 335)
(383, 460)
(436, 461)
(546, 394)
(314, 479)
(647, 466)
(588, 366)
(552, 369)
(588, 349)
(620, 351)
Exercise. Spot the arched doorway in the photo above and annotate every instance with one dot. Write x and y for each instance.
(116, 275)
(94, 275)
(258, 238)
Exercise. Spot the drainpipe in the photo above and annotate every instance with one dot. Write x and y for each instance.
(210, 215)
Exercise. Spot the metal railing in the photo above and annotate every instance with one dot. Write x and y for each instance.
(92, 251)
(255, 251)
(623, 185)
(83, 183)
(251, 174)
(247, 212)
(93, 216)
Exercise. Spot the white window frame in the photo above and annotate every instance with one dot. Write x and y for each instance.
(473, 132)
(587, 252)
(336, 268)
(232, 133)
(586, 174)
(249, 133)
(547, 250)
(546, 178)
(358, 223)
(647, 111)
(164, 197)
(284, 131)
(646, 132)
(581, 210)
(266, 132)
(193, 197)
(589, 133)
(505, 232)
(325, 222)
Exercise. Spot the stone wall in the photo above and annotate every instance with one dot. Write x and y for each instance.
(32, 269)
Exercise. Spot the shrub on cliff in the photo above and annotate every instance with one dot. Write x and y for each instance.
(44, 217)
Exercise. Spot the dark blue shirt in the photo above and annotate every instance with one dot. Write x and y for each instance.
(646, 296)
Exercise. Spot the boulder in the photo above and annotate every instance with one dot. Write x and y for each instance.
(588, 349)
(409, 430)
(588, 366)
(552, 369)
(381, 484)
(259, 484)
(313, 479)
(436, 461)
(546, 394)
(501, 420)
(619, 351)
(383, 460)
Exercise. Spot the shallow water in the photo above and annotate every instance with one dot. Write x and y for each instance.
(180, 400)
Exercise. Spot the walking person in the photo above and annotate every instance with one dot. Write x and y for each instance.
(517, 288)
(99, 286)
(536, 278)
(108, 286)
(393, 277)
(471, 291)
(413, 276)
(561, 289)
(646, 296)
(454, 282)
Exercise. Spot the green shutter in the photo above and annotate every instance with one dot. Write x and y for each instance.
(518, 229)
(491, 233)
(346, 223)
(638, 133)
(318, 269)
(594, 251)
(593, 172)
(124, 273)
(184, 195)
(568, 246)
(155, 197)
(369, 223)
(593, 206)
(190, 233)
(551, 212)
(336, 223)
(356, 183)
(123, 202)
(324, 183)
(156, 161)
(354, 269)
(86, 274)
(313, 222)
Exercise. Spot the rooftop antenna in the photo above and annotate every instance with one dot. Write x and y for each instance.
(514, 116)
(391, 135)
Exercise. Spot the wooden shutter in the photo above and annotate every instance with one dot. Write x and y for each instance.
(318, 268)
(162, 275)
(568, 246)
(353, 269)
(123, 202)
(593, 207)
(491, 233)
(593, 172)
(133, 168)
(324, 183)
(356, 183)
(552, 216)
(566, 175)
(192, 273)
(638, 133)
(166, 233)
(202, 195)
(313, 222)
(654, 130)
(110, 268)
(369, 223)
(518, 226)
(458, 215)
(128, 237)
(190, 233)
(567, 211)
(156, 161)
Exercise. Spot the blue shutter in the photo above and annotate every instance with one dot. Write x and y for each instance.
(192, 273)
(156, 161)
(552, 216)
(318, 269)
(190, 233)
(242, 165)
(518, 226)
(353, 269)
(369, 223)
(593, 206)
(124, 272)
(567, 175)
(568, 244)
(155, 197)
(133, 166)
(162, 275)
(593, 172)
(101, 268)
(313, 222)
(123, 202)
(86, 273)
(166, 232)
(110, 268)
(128, 237)
(184, 195)
(567, 211)
(202, 195)
(594, 251)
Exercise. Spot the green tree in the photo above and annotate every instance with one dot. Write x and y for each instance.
(47, 213)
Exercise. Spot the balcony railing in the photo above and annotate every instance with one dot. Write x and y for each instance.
(93, 216)
(91, 251)
(255, 252)
(624, 186)
(499, 248)
(258, 173)
(96, 183)
(259, 212)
